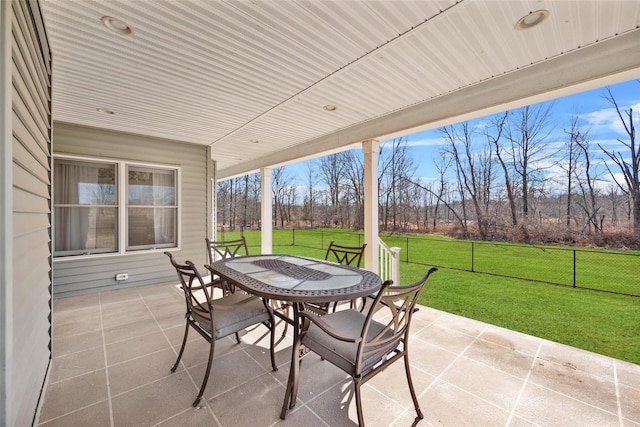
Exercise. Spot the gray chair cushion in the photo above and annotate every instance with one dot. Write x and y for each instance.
(343, 354)
(233, 313)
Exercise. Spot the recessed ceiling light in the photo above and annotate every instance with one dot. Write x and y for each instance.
(116, 25)
(532, 19)
(105, 110)
(329, 107)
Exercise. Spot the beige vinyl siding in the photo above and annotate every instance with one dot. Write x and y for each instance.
(89, 274)
(31, 220)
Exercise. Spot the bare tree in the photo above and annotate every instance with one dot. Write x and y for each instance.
(614, 198)
(419, 205)
(628, 163)
(255, 198)
(570, 163)
(442, 198)
(245, 199)
(222, 195)
(310, 197)
(442, 166)
(428, 204)
(527, 132)
(396, 167)
(281, 183)
(288, 207)
(354, 174)
(228, 202)
(589, 202)
(494, 136)
(473, 170)
(332, 171)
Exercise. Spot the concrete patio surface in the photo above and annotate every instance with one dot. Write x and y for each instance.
(112, 353)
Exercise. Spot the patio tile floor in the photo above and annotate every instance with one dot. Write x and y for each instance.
(112, 352)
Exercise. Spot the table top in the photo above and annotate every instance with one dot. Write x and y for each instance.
(293, 278)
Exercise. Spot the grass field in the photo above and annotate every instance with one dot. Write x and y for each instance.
(601, 322)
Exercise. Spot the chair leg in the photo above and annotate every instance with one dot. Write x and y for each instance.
(335, 306)
(206, 373)
(411, 389)
(287, 397)
(273, 342)
(290, 396)
(296, 381)
(184, 343)
(285, 309)
(356, 384)
(238, 338)
(364, 304)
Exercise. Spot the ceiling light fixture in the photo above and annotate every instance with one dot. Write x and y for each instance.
(329, 107)
(116, 25)
(532, 19)
(254, 141)
(105, 110)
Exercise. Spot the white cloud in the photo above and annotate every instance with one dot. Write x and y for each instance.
(426, 142)
(607, 120)
(418, 141)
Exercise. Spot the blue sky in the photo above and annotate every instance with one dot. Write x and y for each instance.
(596, 113)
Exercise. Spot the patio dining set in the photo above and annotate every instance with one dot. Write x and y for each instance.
(346, 315)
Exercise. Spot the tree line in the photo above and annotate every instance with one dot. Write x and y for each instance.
(508, 173)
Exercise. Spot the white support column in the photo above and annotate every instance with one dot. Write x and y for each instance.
(266, 214)
(212, 200)
(371, 150)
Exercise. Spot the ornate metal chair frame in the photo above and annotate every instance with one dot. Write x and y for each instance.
(358, 344)
(218, 249)
(345, 255)
(214, 319)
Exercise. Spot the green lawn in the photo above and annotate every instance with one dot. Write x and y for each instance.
(601, 322)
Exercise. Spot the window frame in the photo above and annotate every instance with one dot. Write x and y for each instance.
(122, 207)
(129, 247)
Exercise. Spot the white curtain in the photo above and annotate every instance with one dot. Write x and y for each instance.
(164, 218)
(73, 224)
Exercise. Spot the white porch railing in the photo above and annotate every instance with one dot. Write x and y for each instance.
(389, 262)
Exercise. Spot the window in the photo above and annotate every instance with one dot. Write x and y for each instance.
(151, 208)
(113, 207)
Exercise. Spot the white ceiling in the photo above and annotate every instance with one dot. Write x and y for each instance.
(224, 73)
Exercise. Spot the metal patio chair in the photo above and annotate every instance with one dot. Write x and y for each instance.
(358, 344)
(214, 319)
(345, 255)
(219, 249)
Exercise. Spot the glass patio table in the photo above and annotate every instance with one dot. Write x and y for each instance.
(296, 280)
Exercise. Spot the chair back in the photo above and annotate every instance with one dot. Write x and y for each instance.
(193, 286)
(400, 302)
(345, 255)
(219, 249)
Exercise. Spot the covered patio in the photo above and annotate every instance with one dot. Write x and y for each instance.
(202, 91)
(113, 350)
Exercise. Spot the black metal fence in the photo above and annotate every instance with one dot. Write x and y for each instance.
(615, 271)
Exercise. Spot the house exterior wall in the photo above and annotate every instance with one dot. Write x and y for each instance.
(77, 275)
(25, 298)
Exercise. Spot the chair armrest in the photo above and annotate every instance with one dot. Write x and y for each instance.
(309, 318)
(217, 282)
(214, 283)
